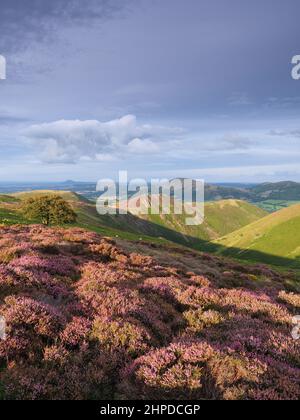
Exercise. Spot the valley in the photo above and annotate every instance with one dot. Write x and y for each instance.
(232, 227)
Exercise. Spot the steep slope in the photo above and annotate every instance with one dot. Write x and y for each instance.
(276, 235)
(221, 217)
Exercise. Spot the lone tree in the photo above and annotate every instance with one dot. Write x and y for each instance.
(49, 210)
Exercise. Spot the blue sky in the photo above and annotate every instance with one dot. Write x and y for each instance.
(198, 88)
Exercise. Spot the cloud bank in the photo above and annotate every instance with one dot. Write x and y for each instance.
(72, 141)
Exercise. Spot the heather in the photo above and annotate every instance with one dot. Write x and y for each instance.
(89, 318)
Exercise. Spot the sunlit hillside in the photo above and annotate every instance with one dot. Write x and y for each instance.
(221, 217)
(274, 235)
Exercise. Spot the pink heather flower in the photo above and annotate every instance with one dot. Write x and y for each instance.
(88, 320)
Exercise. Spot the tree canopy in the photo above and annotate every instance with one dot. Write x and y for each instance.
(49, 210)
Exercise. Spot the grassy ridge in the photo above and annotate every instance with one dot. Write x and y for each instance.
(221, 217)
(276, 235)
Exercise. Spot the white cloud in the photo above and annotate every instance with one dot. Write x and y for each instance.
(106, 157)
(71, 141)
(140, 146)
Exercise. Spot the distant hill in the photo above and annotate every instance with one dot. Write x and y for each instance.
(286, 190)
(276, 235)
(216, 192)
(219, 192)
(67, 195)
(220, 218)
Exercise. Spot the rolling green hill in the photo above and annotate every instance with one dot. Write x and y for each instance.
(276, 235)
(231, 227)
(221, 218)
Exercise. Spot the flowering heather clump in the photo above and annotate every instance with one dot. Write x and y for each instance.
(108, 252)
(191, 371)
(61, 265)
(89, 320)
(290, 298)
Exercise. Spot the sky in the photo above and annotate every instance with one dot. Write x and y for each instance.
(195, 88)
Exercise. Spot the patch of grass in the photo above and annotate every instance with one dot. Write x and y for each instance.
(11, 217)
(8, 199)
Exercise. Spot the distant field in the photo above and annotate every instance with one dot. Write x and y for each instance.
(274, 205)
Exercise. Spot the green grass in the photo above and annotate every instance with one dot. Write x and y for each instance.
(245, 230)
(221, 218)
(88, 218)
(8, 199)
(274, 238)
(11, 217)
